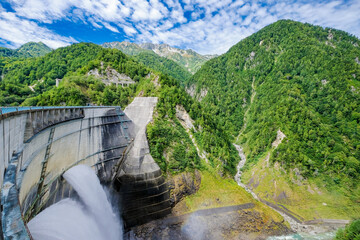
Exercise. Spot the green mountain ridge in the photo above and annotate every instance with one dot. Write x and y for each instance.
(28, 50)
(188, 59)
(304, 81)
(163, 65)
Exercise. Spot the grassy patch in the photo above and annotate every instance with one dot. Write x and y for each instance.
(219, 192)
(307, 198)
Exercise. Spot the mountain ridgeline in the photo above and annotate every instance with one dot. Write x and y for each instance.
(188, 59)
(298, 80)
(163, 65)
(30, 49)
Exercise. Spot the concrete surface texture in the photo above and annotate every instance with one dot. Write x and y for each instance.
(139, 160)
(11, 139)
(39, 146)
(143, 190)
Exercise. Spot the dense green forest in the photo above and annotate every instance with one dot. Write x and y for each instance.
(350, 232)
(166, 132)
(163, 65)
(128, 48)
(30, 49)
(41, 72)
(72, 64)
(299, 78)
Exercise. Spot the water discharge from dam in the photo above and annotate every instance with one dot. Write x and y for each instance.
(90, 217)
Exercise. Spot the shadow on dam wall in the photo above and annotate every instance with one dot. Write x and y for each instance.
(39, 145)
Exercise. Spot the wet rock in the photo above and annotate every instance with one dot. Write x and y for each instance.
(182, 185)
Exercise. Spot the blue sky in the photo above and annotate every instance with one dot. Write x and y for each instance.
(206, 26)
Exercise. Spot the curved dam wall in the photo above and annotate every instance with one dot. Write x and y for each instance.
(40, 145)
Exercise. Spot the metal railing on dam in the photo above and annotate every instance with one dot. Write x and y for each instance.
(40, 143)
(6, 110)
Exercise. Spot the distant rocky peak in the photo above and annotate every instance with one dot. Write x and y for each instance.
(188, 59)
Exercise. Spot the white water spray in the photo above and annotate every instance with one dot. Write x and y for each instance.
(90, 219)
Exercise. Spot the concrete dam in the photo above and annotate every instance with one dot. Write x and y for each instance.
(39, 144)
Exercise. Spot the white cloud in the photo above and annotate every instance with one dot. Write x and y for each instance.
(18, 31)
(226, 22)
(213, 26)
(129, 30)
(111, 28)
(42, 10)
(95, 24)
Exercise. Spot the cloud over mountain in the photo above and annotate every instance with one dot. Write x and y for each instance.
(206, 26)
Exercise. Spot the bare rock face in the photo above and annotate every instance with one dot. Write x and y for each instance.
(110, 75)
(357, 60)
(191, 90)
(182, 185)
(330, 36)
(183, 116)
(203, 93)
(252, 55)
(280, 136)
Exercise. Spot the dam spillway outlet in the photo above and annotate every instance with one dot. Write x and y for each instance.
(89, 217)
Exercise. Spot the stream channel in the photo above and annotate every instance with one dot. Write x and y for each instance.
(303, 231)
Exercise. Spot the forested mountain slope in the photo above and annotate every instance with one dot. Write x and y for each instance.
(304, 81)
(151, 59)
(126, 47)
(30, 49)
(163, 65)
(41, 72)
(190, 60)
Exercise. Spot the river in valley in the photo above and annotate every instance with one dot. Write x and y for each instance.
(303, 231)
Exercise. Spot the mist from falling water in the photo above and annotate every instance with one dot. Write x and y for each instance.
(90, 218)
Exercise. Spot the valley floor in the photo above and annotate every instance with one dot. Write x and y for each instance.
(309, 214)
(219, 210)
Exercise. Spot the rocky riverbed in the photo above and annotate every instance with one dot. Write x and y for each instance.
(234, 222)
